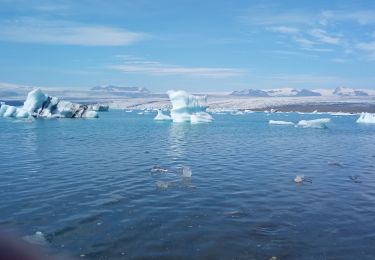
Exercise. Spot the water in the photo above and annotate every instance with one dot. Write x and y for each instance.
(88, 186)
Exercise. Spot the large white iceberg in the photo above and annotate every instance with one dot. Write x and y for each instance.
(38, 104)
(160, 116)
(366, 118)
(316, 123)
(188, 108)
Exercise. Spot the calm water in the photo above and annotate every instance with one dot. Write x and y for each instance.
(88, 186)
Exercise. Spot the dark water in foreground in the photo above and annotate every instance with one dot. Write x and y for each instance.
(87, 185)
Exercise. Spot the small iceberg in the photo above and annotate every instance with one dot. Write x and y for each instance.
(299, 178)
(162, 117)
(188, 108)
(316, 123)
(275, 122)
(366, 118)
(99, 108)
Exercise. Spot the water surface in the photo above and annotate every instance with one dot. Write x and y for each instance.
(88, 186)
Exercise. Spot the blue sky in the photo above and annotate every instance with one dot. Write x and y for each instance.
(193, 45)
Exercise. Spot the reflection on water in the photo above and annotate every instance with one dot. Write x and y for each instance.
(177, 139)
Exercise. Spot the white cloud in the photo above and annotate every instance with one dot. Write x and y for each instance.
(309, 79)
(362, 17)
(284, 29)
(140, 66)
(67, 33)
(304, 41)
(368, 47)
(323, 36)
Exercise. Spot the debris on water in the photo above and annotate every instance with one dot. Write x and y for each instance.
(299, 178)
(163, 185)
(275, 257)
(355, 178)
(335, 163)
(186, 172)
(37, 239)
(158, 169)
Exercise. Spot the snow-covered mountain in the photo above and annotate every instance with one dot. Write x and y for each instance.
(121, 90)
(345, 92)
(282, 92)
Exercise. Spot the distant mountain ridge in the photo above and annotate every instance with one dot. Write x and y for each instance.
(283, 92)
(345, 92)
(112, 88)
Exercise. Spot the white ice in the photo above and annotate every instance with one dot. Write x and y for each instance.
(38, 104)
(275, 122)
(366, 118)
(186, 172)
(188, 108)
(299, 178)
(316, 123)
(160, 116)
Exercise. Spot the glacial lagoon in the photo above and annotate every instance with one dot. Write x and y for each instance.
(114, 187)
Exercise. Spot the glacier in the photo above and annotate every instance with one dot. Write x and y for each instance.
(366, 118)
(188, 108)
(160, 116)
(275, 122)
(316, 123)
(38, 104)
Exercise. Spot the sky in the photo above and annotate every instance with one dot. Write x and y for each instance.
(210, 45)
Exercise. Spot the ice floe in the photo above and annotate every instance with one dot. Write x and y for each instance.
(366, 118)
(162, 117)
(276, 122)
(316, 123)
(188, 108)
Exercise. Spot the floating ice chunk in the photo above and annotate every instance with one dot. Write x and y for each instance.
(99, 107)
(366, 118)
(10, 112)
(186, 172)
(188, 108)
(158, 169)
(275, 122)
(160, 116)
(316, 123)
(163, 184)
(299, 178)
(37, 239)
(238, 113)
(201, 117)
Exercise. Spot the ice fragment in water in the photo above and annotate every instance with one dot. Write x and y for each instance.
(186, 172)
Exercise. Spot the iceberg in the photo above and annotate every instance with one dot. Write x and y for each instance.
(38, 104)
(160, 116)
(188, 108)
(316, 123)
(275, 122)
(366, 118)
